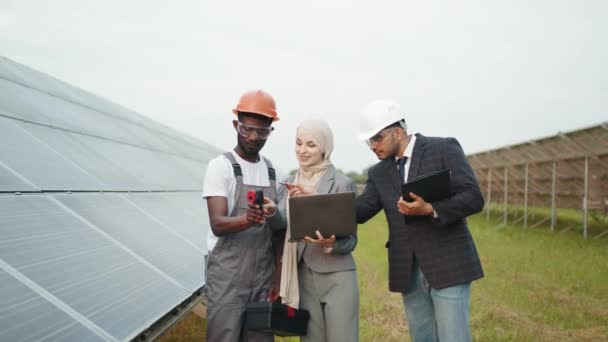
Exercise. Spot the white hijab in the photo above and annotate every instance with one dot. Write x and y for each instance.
(319, 132)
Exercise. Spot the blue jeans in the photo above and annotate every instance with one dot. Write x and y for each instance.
(437, 315)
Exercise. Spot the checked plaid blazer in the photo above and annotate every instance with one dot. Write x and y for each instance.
(443, 247)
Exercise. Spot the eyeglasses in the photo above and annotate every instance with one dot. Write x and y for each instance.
(378, 138)
(247, 131)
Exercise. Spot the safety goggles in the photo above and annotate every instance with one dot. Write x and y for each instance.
(247, 130)
(379, 137)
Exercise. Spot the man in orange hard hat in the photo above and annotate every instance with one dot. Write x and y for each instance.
(240, 260)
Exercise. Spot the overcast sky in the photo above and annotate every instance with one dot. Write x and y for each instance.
(489, 73)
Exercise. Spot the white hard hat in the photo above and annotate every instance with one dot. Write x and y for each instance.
(377, 115)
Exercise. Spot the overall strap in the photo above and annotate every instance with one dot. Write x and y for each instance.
(238, 173)
(272, 175)
(236, 167)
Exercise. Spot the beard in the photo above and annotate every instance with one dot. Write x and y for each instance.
(251, 148)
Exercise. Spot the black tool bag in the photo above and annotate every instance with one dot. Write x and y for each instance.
(276, 318)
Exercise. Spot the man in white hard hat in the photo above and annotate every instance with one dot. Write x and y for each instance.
(432, 256)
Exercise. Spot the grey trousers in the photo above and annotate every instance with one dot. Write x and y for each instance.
(233, 280)
(333, 302)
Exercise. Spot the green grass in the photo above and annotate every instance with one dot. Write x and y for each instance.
(566, 218)
(539, 286)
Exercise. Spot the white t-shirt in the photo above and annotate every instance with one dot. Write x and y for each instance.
(220, 181)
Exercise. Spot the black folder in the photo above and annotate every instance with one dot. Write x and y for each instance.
(433, 186)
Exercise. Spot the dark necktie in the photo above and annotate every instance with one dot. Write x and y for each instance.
(401, 161)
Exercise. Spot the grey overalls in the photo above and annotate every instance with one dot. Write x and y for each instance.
(239, 269)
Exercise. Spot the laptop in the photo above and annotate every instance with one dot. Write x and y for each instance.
(330, 214)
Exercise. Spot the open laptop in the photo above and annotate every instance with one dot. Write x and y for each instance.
(330, 214)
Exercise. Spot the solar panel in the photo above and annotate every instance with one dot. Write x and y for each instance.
(78, 262)
(109, 174)
(11, 70)
(15, 102)
(38, 163)
(10, 182)
(185, 223)
(155, 169)
(32, 80)
(193, 203)
(81, 267)
(141, 233)
(26, 316)
(81, 119)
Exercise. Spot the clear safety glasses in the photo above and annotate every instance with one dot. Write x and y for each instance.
(247, 130)
(378, 138)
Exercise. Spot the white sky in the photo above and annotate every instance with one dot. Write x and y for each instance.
(489, 73)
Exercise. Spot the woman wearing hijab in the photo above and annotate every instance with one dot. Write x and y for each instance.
(319, 274)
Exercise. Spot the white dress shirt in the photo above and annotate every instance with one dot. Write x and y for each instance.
(409, 150)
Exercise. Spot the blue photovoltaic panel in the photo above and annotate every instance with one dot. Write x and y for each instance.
(193, 203)
(78, 118)
(10, 182)
(143, 235)
(38, 163)
(189, 149)
(111, 175)
(148, 139)
(155, 169)
(195, 169)
(173, 215)
(27, 317)
(35, 81)
(81, 267)
(12, 71)
(74, 267)
(15, 102)
(195, 206)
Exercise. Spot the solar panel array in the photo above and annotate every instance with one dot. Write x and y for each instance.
(101, 219)
(564, 171)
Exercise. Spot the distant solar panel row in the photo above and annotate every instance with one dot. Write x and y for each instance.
(101, 219)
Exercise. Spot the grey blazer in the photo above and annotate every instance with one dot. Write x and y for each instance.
(340, 259)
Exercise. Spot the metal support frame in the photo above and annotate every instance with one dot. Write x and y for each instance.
(506, 196)
(540, 222)
(566, 229)
(600, 235)
(553, 169)
(526, 197)
(516, 221)
(489, 194)
(553, 199)
(586, 198)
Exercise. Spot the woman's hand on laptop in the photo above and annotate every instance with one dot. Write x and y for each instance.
(327, 243)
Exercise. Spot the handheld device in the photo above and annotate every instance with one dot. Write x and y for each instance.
(256, 197)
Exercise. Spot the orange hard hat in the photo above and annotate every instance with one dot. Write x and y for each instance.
(257, 102)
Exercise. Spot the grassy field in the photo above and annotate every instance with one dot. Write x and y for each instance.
(539, 286)
(566, 218)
